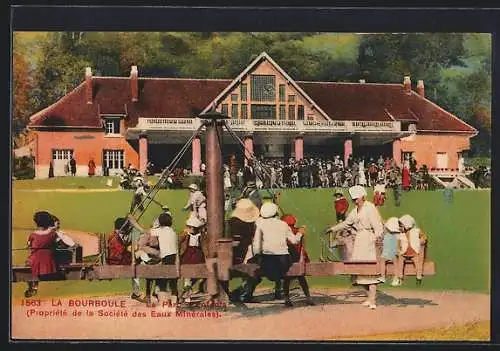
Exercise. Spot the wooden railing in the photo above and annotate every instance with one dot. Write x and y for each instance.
(251, 125)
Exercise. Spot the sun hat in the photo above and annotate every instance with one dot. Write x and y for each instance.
(392, 224)
(407, 221)
(357, 191)
(246, 211)
(268, 210)
(193, 187)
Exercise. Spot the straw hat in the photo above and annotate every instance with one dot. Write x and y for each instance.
(357, 191)
(268, 210)
(392, 224)
(246, 211)
(193, 187)
(407, 221)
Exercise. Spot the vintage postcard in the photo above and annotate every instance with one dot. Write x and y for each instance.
(251, 186)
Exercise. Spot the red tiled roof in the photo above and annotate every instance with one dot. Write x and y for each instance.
(181, 98)
(380, 102)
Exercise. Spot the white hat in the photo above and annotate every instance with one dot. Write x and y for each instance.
(407, 221)
(193, 187)
(194, 222)
(357, 191)
(268, 210)
(392, 224)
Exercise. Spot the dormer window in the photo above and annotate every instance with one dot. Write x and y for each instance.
(112, 125)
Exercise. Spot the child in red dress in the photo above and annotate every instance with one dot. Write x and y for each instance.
(41, 243)
(296, 252)
(341, 205)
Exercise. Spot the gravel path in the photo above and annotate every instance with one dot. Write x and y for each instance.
(338, 314)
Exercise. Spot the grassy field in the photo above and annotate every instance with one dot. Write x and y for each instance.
(459, 232)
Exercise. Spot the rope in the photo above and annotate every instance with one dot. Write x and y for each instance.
(163, 177)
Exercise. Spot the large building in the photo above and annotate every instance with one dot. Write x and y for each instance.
(120, 120)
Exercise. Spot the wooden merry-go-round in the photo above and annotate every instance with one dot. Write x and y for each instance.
(218, 269)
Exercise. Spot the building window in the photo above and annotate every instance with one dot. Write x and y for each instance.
(243, 91)
(263, 111)
(441, 160)
(113, 159)
(300, 112)
(291, 112)
(282, 112)
(282, 93)
(62, 154)
(291, 98)
(224, 109)
(244, 111)
(112, 125)
(234, 97)
(234, 111)
(263, 87)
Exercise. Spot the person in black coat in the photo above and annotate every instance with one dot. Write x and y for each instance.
(72, 166)
(249, 173)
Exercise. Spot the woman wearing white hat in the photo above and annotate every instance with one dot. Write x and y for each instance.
(367, 224)
(270, 240)
(412, 247)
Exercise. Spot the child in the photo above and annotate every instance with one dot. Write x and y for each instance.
(341, 205)
(193, 245)
(296, 252)
(392, 236)
(379, 193)
(41, 243)
(412, 247)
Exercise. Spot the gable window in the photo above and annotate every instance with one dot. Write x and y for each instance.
(234, 97)
(234, 111)
(282, 93)
(263, 111)
(291, 98)
(282, 112)
(112, 125)
(300, 112)
(243, 91)
(244, 111)
(291, 112)
(224, 109)
(263, 87)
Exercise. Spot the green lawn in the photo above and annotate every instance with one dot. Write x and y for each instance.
(459, 232)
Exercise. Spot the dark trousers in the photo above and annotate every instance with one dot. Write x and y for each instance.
(286, 286)
(171, 283)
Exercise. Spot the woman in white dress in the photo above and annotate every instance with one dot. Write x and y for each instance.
(367, 225)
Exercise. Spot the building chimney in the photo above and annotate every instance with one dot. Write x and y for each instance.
(362, 81)
(88, 85)
(407, 84)
(420, 88)
(133, 83)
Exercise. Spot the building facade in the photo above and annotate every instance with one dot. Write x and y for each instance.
(116, 121)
